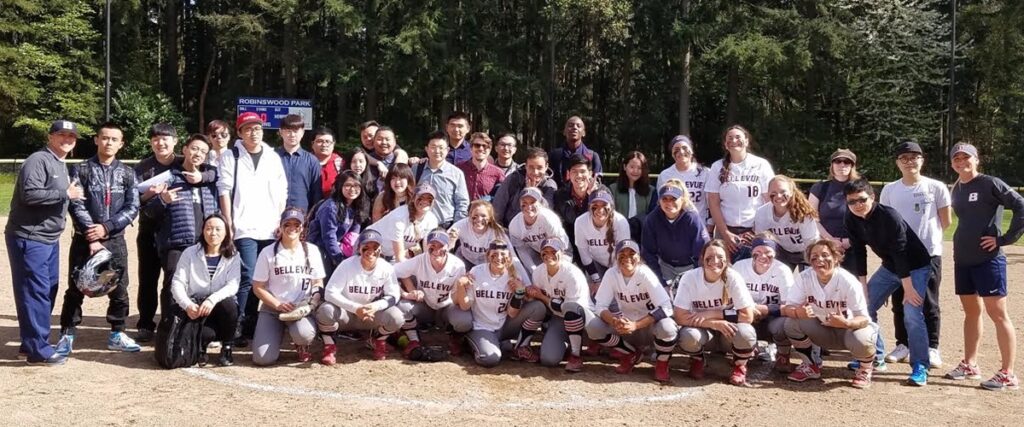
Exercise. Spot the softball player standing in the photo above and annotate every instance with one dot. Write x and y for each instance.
(737, 185)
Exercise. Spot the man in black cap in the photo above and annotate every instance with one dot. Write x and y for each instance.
(38, 210)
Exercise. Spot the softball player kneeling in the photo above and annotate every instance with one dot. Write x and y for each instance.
(561, 286)
(768, 281)
(361, 295)
(816, 310)
(644, 316)
(427, 280)
(495, 296)
(715, 309)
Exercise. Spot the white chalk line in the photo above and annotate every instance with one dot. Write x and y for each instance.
(577, 402)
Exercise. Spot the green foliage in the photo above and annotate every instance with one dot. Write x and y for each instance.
(136, 108)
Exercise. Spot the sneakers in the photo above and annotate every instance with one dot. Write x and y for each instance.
(328, 358)
(303, 354)
(526, 354)
(120, 341)
(739, 375)
(862, 379)
(964, 371)
(766, 352)
(900, 354)
(380, 348)
(878, 366)
(934, 358)
(918, 375)
(1001, 381)
(64, 346)
(226, 358)
(697, 368)
(661, 372)
(56, 359)
(782, 363)
(574, 364)
(627, 361)
(144, 335)
(203, 360)
(455, 345)
(806, 371)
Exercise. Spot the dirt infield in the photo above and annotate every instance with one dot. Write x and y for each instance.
(101, 387)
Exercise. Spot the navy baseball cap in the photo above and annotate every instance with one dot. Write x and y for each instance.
(555, 244)
(601, 196)
(626, 244)
(908, 147)
(370, 236)
(63, 125)
(293, 214)
(423, 189)
(439, 236)
(963, 147)
(670, 191)
(531, 192)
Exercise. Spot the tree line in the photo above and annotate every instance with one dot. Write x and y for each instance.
(804, 76)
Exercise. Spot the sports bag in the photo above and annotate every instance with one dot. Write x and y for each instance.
(178, 339)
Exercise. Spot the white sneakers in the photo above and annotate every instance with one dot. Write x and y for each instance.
(901, 354)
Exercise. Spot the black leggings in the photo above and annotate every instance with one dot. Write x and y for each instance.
(220, 324)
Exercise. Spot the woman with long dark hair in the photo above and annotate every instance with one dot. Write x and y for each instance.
(337, 221)
(398, 190)
(737, 185)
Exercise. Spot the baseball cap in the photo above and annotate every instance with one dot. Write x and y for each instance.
(963, 147)
(531, 192)
(761, 241)
(60, 125)
(908, 147)
(601, 196)
(670, 191)
(293, 213)
(680, 139)
(439, 236)
(370, 236)
(555, 244)
(626, 244)
(843, 153)
(247, 118)
(423, 189)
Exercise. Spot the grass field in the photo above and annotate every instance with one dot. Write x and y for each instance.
(7, 190)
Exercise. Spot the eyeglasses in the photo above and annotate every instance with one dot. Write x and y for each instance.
(842, 162)
(910, 158)
(857, 201)
(351, 186)
(221, 135)
(252, 130)
(506, 145)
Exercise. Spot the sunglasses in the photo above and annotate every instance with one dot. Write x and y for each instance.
(484, 146)
(842, 162)
(858, 201)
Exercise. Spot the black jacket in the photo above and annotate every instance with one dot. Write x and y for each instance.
(885, 231)
(111, 198)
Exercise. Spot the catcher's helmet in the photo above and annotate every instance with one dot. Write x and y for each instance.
(97, 277)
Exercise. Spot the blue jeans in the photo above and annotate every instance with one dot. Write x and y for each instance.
(35, 275)
(248, 250)
(882, 284)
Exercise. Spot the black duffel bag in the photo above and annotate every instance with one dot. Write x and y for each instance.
(178, 339)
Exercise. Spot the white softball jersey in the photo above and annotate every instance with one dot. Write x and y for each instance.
(695, 294)
(695, 180)
(592, 242)
(436, 285)
(919, 206)
(636, 296)
(396, 226)
(489, 298)
(770, 287)
(842, 294)
(530, 237)
(285, 272)
(741, 194)
(473, 246)
(351, 286)
(568, 283)
(793, 237)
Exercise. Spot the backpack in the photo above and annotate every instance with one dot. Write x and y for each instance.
(178, 339)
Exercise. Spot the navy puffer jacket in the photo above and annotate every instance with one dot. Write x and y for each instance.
(178, 226)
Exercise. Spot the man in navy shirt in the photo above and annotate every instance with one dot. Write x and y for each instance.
(457, 129)
(574, 132)
(300, 166)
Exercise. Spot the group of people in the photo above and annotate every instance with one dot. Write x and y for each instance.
(265, 242)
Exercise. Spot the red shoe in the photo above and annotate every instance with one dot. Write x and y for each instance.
(739, 375)
(304, 354)
(592, 350)
(455, 345)
(806, 371)
(862, 379)
(782, 363)
(380, 348)
(661, 372)
(328, 358)
(575, 364)
(697, 368)
(409, 348)
(627, 361)
(526, 354)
